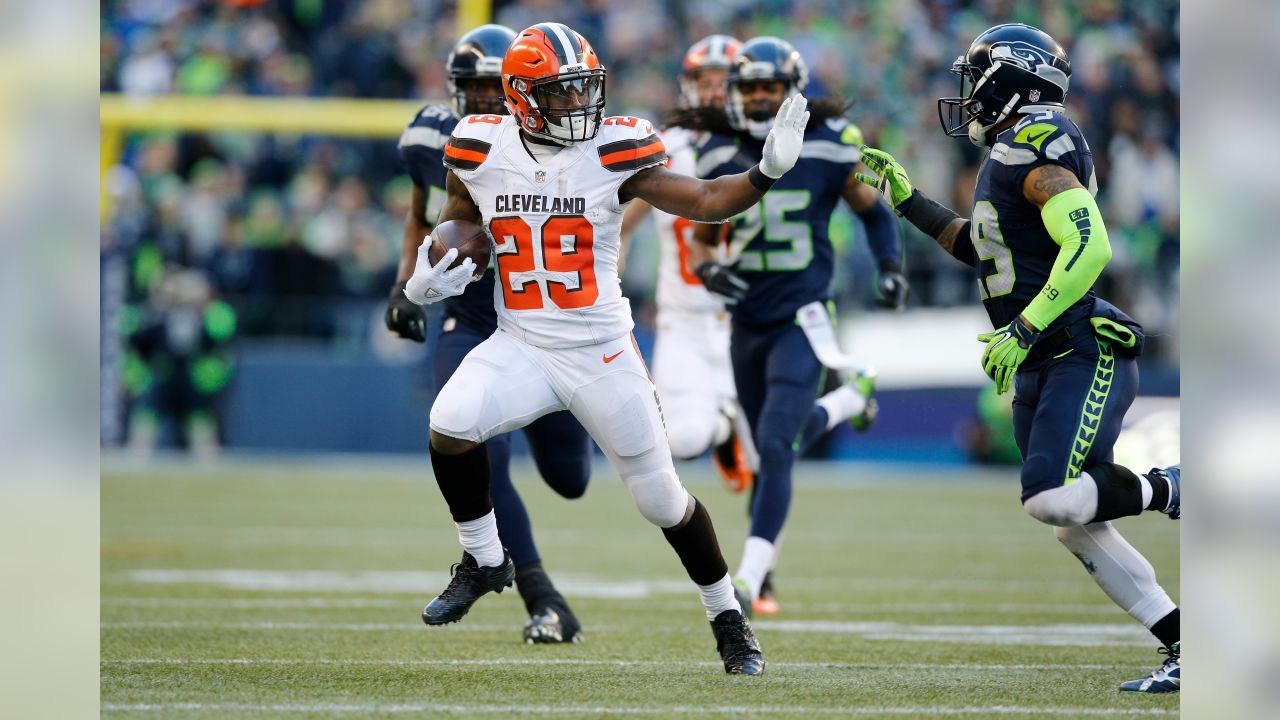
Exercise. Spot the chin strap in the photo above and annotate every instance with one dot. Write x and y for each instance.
(978, 133)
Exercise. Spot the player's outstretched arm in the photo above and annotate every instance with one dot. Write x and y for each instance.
(1072, 219)
(722, 198)
(934, 219)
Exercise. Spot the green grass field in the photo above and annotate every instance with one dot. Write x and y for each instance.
(293, 589)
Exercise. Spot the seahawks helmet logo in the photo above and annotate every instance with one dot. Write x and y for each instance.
(1020, 53)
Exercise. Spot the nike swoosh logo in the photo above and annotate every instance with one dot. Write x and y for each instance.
(1033, 139)
(611, 358)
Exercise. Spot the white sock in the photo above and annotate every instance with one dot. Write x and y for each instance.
(718, 597)
(757, 558)
(480, 538)
(1120, 570)
(841, 404)
(1147, 492)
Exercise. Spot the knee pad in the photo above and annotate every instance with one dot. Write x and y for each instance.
(455, 414)
(688, 439)
(691, 426)
(1065, 506)
(661, 498)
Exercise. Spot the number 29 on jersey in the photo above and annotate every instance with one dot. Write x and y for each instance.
(567, 259)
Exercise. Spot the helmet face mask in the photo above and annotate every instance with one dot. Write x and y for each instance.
(1008, 70)
(554, 85)
(571, 105)
(957, 113)
(475, 70)
(760, 62)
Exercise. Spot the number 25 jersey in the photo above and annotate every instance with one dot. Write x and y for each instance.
(554, 226)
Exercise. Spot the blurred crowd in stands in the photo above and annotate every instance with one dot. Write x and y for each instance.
(280, 225)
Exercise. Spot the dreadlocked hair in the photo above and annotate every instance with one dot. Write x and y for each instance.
(703, 118)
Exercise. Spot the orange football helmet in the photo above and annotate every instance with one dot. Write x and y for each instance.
(554, 84)
(714, 52)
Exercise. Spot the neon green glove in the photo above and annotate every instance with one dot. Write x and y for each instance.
(890, 178)
(1006, 349)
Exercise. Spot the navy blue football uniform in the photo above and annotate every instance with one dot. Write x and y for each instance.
(560, 445)
(1014, 250)
(782, 248)
(1072, 392)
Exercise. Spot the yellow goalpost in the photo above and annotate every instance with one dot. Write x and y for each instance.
(344, 117)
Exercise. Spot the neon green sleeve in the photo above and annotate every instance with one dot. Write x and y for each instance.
(1074, 222)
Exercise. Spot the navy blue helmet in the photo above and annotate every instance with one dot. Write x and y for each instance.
(478, 55)
(763, 58)
(1009, 69)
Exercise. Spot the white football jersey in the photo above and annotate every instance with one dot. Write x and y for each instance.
(554, 226)
(678, 287)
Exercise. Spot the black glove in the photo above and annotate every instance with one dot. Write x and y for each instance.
(723, 281)
(893, 287)
(405, 318)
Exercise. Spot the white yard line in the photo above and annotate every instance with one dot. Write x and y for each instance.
(407, 626)
(254, 603)
(571, 584)
(987, 609)
(417, 708)
(504, 662)
(1058, 634)
(390, 581)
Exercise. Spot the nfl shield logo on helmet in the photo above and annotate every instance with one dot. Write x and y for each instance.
(540, 176)
(1033, 96)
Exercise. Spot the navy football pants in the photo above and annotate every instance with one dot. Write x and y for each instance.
(1067, 412)
(778, 378)
(560, 446)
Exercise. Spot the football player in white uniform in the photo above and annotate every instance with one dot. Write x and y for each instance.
(691, 355)
(549, 183)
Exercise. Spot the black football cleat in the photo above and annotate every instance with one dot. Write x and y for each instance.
(553, 623)
(737, 644)
(469, 582)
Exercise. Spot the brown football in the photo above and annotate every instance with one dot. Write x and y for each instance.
(469, 238)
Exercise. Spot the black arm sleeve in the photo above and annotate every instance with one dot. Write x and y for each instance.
(962, 250)
(927, 214)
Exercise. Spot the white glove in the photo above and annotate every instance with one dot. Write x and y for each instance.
(782, 147)
(433, 284)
